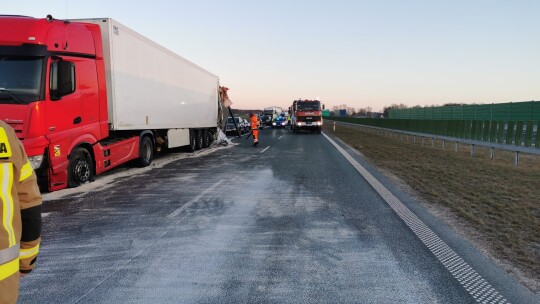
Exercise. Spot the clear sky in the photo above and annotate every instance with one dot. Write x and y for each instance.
(354, 52)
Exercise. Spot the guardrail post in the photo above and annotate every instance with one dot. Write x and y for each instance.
(500, 140)
(334, 126)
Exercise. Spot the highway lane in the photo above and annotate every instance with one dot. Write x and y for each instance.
(289, 221)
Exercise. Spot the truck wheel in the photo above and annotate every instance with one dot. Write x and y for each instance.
(192, 141)
(146, 151)
(206, 138)
(319, 130)
(80, 168)
(199, 143)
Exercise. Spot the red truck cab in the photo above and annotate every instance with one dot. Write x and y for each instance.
(306, 115)
(53, 93)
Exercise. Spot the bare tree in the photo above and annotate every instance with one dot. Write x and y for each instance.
(362, 111)
(368, 111)
(386, 110)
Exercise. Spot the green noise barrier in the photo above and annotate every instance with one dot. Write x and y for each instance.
(517, 111)
(518, 133)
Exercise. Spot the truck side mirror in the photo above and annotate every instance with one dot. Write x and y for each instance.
(323, 107)
(62, 79)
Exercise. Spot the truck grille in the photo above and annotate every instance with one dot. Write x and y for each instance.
(308, 118)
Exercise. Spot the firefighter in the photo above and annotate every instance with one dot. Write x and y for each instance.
(254, 128)
(20, 215)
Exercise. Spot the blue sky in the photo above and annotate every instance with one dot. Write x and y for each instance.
(359, 53)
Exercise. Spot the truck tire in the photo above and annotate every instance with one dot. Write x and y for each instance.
(80, 168)
(192, 141)
(199, 137)
(206, 138)
(146, 151)
(319, 130)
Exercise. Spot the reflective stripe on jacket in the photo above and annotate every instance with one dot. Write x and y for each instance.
(20, 208)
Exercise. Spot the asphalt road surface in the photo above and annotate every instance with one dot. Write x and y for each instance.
(299, 219)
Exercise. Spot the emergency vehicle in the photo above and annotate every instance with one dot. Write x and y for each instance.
(306, 115)
(85, 96)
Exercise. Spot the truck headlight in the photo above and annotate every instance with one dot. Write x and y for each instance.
(299, 124)
(273, 124)
(36, 161)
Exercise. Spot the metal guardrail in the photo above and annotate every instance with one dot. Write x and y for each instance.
(518, 133)
(456, 140)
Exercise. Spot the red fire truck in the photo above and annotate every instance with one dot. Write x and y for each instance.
(306, 115)
(85, 96)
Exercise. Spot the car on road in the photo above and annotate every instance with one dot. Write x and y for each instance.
(261, 124)
(280, 122)
(231, 128)
(266, 120)
(247, 126)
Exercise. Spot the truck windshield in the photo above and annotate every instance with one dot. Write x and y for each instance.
(20, 79)
(308, 106)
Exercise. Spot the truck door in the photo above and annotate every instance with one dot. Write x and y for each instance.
(87, 87)
(64, 109)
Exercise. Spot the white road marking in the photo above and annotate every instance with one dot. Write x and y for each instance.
(280, 137)
(477, 287)
(265, 149)
(195, 199)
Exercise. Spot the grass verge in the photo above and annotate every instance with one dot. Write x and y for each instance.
(493, 203)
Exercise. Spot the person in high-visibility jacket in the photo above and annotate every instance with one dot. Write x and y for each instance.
(254, 128)
(20, 215)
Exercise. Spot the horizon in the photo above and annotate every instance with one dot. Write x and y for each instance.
(358, 53)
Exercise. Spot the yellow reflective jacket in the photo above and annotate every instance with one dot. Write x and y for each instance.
(20, 213)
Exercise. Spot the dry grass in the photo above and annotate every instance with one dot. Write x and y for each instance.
(500, 202)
